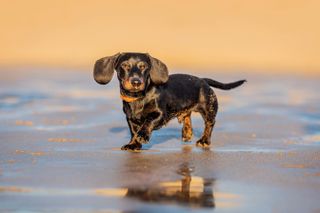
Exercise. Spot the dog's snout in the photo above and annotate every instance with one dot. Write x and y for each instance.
(136, 82)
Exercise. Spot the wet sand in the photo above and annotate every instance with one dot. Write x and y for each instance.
(60, 139)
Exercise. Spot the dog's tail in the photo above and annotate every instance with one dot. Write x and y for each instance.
(223, 86)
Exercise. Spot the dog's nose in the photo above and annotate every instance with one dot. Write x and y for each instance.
(136, 82)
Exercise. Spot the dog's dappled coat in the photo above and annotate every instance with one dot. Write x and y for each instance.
(151, 97)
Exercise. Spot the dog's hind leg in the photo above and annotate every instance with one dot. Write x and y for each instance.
(208, 109)
(187, 128)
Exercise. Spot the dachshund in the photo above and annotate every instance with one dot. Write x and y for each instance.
(151, 97)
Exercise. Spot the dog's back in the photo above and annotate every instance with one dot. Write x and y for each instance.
(181, 91)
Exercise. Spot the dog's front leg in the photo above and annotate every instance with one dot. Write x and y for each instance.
(144, 132)
(132, 127)
(132, 145)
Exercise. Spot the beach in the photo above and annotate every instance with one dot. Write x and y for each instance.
(61, 133)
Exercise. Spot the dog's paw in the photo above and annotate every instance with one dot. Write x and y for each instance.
(186, 139)
(203, 142)
(131, 146)
(142, 137)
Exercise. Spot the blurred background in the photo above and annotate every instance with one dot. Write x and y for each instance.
(57, 123)
(250, 35)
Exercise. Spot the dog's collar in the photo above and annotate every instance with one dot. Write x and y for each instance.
(129, 99)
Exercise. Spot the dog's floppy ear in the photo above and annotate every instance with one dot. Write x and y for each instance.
(104, 68)
(158, 72)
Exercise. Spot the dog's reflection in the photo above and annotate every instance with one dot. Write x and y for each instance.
(189, 190)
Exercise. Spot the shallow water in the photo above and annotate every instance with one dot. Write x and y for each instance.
(61, 133)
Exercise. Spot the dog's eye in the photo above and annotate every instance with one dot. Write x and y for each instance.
(126, 66)
(142, 66)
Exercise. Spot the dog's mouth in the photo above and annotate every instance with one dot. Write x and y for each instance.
(131, 86)
(131, 90)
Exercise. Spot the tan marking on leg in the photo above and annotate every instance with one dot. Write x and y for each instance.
(187, 129)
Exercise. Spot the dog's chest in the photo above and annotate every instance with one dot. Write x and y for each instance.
(139, 109)
(136, 110)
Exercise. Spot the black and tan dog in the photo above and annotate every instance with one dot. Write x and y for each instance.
(151, 97)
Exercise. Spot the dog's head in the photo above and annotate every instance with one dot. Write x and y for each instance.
(135, 71)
